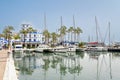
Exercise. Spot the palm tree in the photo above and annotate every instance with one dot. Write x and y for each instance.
(16, 36)
(62, 32)
(75, 34)
(7, 33)
(48, 37)
(24, 32)
(58, 37)
(78, 31)
(46, 33)
(30, 30)
(1, 35)
(68, 31)
(71, 30)
(54, 37)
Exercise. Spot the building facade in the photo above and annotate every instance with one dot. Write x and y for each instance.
(33, 37)
(30, 40)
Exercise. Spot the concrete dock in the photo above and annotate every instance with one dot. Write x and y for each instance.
(7, 68)
(3, 59)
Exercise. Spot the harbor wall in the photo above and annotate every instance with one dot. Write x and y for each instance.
(10, 72)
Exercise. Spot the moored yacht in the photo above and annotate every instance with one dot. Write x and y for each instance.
(43, 48)
(114, 47)
(95, 46)
(96, 49)
(75, 48)
(60, 49)
(18, 48)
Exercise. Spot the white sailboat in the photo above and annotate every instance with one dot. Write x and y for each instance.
(96, 46)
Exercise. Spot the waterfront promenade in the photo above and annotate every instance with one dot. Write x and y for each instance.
(3, 61)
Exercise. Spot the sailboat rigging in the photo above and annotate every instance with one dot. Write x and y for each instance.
(96, 46)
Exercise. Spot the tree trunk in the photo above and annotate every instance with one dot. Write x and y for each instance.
(78, 37)
(71, 36)
(30, 40)
(74, 36)
(63, 37)
(24, 41)
(45, 40)
(68, 36)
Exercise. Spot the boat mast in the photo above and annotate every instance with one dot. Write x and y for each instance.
(109, 33)
(61, 38)
(45, 26)
(89, 38)
(61, 21)
(96, 29)
(74, 28)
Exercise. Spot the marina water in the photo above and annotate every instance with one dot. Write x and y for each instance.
(68, 66)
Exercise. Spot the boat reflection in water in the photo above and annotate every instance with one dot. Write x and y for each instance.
(68, 66)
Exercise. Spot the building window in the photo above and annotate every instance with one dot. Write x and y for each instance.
(25, 35)
(30, 40)
(34, 40)
(34, 35)
(29, 35)
(25, 39)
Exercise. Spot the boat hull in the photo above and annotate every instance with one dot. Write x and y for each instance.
(114, 49)
(80, 50)
(47, 51)
(97, 49)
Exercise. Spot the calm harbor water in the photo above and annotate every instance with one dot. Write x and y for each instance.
(68, 66)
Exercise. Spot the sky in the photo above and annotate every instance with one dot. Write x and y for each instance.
(17, 12)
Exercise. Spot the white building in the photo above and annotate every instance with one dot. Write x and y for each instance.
(34, 37)
(31, 40)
